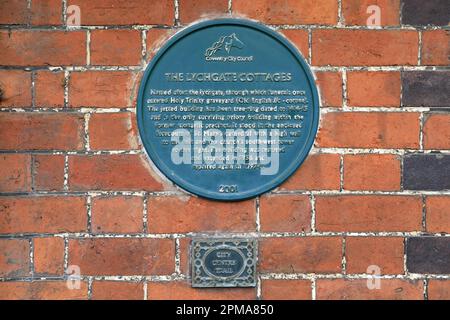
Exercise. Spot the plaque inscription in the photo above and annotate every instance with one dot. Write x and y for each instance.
(223, 263)
(228, 109)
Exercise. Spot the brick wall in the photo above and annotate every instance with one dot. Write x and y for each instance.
(77, 189)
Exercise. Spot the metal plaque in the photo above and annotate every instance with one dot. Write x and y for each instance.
(223, 263)
(228, 109)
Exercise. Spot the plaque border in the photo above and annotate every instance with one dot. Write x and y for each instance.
(296, 163)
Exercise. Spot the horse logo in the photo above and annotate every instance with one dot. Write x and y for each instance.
(225, 42)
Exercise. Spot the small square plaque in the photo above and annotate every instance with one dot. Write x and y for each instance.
(223, 263)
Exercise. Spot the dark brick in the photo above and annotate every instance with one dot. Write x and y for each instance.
(426, 172)
(428, 12)
(426, 88)
(428, 255)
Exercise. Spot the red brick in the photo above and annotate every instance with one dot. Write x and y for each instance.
(369, 130)
(46, 12)
(43, 131)
(436, 47)
(118, 214)
(125, 12)
(436, 131)
(101, 89)
(155, 39)
(285, 213)
(14, 12)
(300, 39)
(48, 172)
(356, 289)
(439, 290)
(286, 289)
(330, 85)
(112, 172)
(15, 172)
(438, 214)
(117, 290)
(301, 255)
(14, 258)
(41, 290)
(115, 47)
(386, 253)
(192, 214)
(372, 172)
(289, 11)
(355, 12)
(183, 291)
(355, 213)
(318, 172)
(49, 88)
(184, 255)
(113, 131)
(191, 10)
(49, 255)
(373, 89)
(44, 214)
(123, 256)
(364, 47)
(42, 48)
(15, 88)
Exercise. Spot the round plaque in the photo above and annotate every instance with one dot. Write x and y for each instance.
(228, 109)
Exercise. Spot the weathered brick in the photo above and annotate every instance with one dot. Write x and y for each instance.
(41, 131)
(426, 88)
(15, 172)
(49, 89)
(436, 47)
(14, 258)
(191, 214)
(285, 213)
(330, 85)
(357, 289)
(436, 131)
(48, 172)
(42, 48)
(372, 172)
(318, 172)
(123, 256)
(355, 213)
(373, 89)
(42, 290)
(112, 172)
(289, 11)
(178, 290)
(426, 172)
(438, 214)
(386, 253)
(438, 290)
(117, 290)
(49, 255)
(46, 12)
(119, 214)
(155, 39)
(113, 131)
(15, 88)
(356, 12)
(300, 255)
(286, 289)
(369, 130)
(428, 255)
(115, 47)
(191, 10)
(185, 255)
(101, 89)
(125, 12)
(364, 47)
(44, 214)
(14, 12)
(421, 13)
(300, 38)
